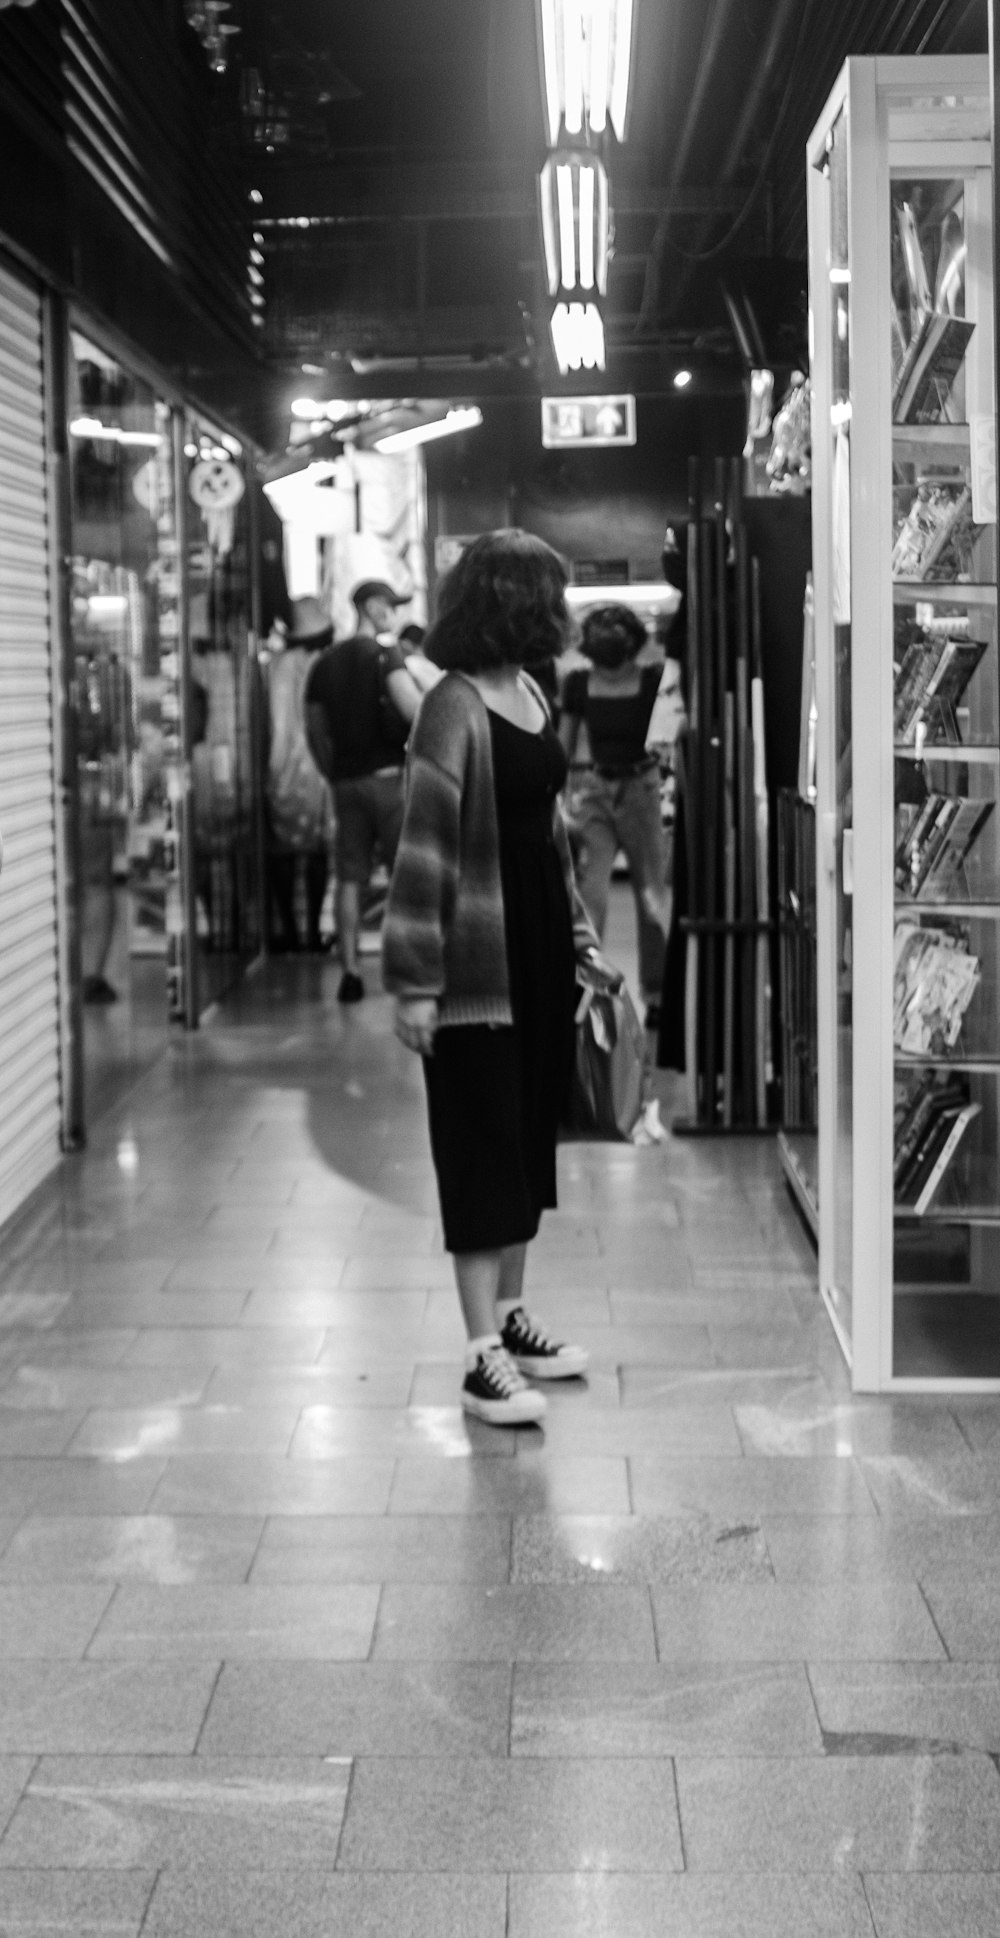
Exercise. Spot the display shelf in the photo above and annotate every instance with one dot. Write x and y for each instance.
(908, 754)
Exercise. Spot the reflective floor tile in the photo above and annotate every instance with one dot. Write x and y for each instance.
(14, 1774)
(968, 1616)
(78, 1388)
(840, 1814)
(688, 1907)
(748, 1487)
(228, 1622)
(448, 1432)
(126, 1434)
(68, 1486)
(935, 1907)
(112, 1813)
(430, 1709)
(148, 1547)
(589, 1548)
(431, 1548)
(949, 1484)
(34, 1622)
(528, 1484)
(781, 1621)
(506, 1624)
(627, 1430)
(23, 1431)
(253, 1484)
(315, 1904)
(812, 1547)
(329, 1384)
(214, 1346)
(510, 1815)
(660, 1386)
(38, 1904)
(903, 1708)
(884, 1427)
(91, 1708)
(624, 1709)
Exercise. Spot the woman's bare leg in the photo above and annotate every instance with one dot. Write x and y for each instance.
(512, 1262)
(477, 1275)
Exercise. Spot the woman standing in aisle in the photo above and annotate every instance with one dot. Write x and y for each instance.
(617, 804)
(483, 942)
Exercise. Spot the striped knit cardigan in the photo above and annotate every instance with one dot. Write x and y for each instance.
(443, 934)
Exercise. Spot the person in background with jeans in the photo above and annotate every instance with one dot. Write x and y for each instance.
(360, 750)
(617, 803)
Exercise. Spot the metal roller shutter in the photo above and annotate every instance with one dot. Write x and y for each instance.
(29, 986)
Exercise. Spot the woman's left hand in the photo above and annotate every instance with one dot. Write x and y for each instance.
(416, 1022)
(601, 974)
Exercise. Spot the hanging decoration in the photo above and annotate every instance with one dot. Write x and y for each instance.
(215, 33)
(216, 486)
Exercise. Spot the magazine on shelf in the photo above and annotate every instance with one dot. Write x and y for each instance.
(935, 977)
(938, 512)
(933, 359)
(921, 841)
(958, 1121)
(932, 677)
(924, 1102)
(960, 835)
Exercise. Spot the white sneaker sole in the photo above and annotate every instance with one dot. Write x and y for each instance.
(527, 1410)
(568, 1365)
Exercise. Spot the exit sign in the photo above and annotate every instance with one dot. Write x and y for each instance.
(569, 422)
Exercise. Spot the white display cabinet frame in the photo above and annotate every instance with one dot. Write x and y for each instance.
(919, 118)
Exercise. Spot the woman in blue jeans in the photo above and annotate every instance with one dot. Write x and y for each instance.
(617, 803)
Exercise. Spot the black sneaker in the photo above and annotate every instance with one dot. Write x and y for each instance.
(495, 1392)
(533, 1352)
(351, 988)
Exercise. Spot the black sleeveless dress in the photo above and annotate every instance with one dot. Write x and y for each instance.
(496, 1095)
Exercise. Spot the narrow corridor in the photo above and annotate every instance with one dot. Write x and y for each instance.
(289, 1646)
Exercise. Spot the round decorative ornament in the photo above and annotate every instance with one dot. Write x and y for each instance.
(216, 486)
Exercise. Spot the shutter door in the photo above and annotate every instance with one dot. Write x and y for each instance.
(29, 990)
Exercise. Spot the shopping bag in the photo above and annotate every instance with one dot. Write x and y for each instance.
(605, 1101)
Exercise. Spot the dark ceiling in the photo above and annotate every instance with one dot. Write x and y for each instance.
(395, 148)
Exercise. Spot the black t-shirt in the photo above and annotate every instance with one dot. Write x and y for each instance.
(345, 683)
(617, 723)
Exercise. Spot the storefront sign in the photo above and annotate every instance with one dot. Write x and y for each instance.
(570, 422)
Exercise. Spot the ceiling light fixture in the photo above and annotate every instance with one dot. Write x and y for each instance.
(586, 64)
(681, 379)
(578, 337)
(456, 420)
(573, 194)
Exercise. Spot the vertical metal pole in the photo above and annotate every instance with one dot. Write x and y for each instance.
(190, 944)
(65, 710)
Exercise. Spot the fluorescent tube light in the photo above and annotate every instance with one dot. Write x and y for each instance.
(456, 420)
(576, 219)
(586, 52)
(578, 337)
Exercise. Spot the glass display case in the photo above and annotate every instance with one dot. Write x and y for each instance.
(908, 748)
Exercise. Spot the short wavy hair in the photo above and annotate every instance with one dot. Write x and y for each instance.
(611, 635)
(502, 604)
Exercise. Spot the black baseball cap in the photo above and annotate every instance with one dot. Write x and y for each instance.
(377, 589)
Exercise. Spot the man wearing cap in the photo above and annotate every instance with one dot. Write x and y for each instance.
(354, 746)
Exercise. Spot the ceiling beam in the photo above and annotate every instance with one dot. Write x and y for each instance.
(338, 196)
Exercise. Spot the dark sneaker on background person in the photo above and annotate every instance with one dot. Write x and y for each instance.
(535, 1354)
(350, 989)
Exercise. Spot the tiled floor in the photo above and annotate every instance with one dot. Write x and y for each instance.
(288, 1647)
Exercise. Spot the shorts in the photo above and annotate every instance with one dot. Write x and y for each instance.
(369, 818)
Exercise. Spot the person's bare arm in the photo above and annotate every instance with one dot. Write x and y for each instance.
(569, 733)
(404, 691)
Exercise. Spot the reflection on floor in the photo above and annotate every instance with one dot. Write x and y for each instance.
(123, 1039)
(288, 1646)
